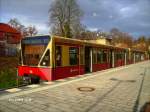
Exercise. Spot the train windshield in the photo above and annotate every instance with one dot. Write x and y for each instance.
(33, 49)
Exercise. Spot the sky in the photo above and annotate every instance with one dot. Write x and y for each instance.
(131, 16)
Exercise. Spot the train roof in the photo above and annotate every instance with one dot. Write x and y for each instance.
(81, 42)
(85, 42)
(36, 36)
(88, 43)
(136, 50)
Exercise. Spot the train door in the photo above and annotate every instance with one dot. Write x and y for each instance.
(88, 59)
(110, 59)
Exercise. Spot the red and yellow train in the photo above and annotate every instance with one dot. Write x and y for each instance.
(52, 57)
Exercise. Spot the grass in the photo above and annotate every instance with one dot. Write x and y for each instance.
(8, 72)
(8, 78)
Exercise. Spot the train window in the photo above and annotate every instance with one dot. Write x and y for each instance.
(119, 55)
(73, 55)
(58, 55)
(123, 55)
(99, 56)
(37, 56)
(94, 55)
(28, 56)
(81, 55)
(104, 56)
(46, 59)
(132, 56)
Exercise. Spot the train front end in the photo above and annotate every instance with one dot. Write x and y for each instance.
(35, 59)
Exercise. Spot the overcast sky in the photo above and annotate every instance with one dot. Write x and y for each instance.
(132, 16)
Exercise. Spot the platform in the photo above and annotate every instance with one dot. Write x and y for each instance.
(113, 90)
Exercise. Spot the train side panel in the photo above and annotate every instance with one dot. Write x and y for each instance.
(67, 61)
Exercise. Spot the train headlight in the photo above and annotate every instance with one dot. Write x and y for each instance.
(31, 71)
(44, 63)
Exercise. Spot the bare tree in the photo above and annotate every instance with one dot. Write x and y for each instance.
(14, 23)
(17, 25)
(148, 42)
(141, 43)
(25, 31)
(64, 18)
(120, 38)
(31, 30)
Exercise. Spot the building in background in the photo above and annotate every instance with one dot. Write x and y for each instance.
(9, 40)
(102, 40)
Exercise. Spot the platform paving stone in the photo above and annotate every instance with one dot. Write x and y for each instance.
(145, 93)
(115, 91)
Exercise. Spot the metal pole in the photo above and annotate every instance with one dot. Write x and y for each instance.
(125, 58)
(134, 58)
(17, 79)
(113, 59)
(79, 57)
(91, 67)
